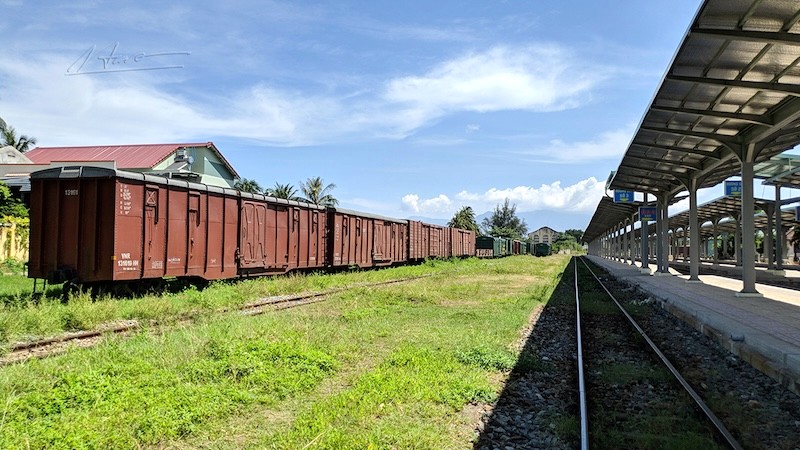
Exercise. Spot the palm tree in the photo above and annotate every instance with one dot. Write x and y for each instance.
(286, 191)
(464, 219)
(9, 137)
(246, 185)
(317, 193)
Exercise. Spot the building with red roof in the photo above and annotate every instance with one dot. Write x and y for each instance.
(198, 162)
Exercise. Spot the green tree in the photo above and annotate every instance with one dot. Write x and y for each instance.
(504, 222)
(8, 136)
(247, 185)
(317, 193)
(286, 191)
(567, 241)
(577, 234)
(10, 205)
(464, 219)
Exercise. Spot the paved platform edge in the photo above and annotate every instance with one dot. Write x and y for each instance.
(780, 366)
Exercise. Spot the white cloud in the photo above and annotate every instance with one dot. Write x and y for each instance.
(472, 128)
(151, 106)
(434, 206)
(609, 145)
(133, 107)
(533, 78)
(582, 197)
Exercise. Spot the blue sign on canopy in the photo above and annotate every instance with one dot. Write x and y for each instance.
(733, 188)
(797, 213)
(623, 196)
(647, 213)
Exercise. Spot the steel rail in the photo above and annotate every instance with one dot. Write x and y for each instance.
(254, 308)
(581, 383)
(692, 393)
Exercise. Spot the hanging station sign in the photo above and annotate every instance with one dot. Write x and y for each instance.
(797, 213)
(733, 188)
(623, 196)
(647, 213)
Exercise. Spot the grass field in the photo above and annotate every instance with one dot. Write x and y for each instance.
(373, 367)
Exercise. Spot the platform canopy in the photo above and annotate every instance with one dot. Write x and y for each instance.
(788, 217)
(780, 171)
(715, 210)
(607, 216)
(731, 91)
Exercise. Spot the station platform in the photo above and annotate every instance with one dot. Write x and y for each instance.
(788, 277)
(764, 331)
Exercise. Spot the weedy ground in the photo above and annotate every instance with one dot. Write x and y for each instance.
(372, 367)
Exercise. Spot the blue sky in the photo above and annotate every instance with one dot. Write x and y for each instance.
(411, 108)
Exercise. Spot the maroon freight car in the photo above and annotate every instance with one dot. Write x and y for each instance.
(91, 224)
(357, 239)
(99, 227)
(462, 242)
(278, 235)
(426, 240)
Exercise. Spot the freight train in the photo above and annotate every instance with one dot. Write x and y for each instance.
(104, 228)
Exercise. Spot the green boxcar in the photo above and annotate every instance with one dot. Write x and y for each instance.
(488, 247)
(541, 249)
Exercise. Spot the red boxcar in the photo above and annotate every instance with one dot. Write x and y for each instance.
(278, 235)
(91, 224)
(426, 240)
(462, 242)
(365, 240)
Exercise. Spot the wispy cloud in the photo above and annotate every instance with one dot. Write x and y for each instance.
(534, 78)
(101, 109)
(582, 196)
(608, 145)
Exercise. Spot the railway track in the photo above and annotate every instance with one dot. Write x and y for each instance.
(624, 368)
(55, 345)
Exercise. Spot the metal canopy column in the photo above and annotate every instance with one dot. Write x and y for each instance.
(748, 228)
(663, 235)
(768, 242)
(737, 240)
(645, 263)
(624, 249)
(694, 234)
(778, 230)
(632, 242)
(659, 245)
(716, 238)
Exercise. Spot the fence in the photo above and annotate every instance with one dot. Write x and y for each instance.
(14, 241)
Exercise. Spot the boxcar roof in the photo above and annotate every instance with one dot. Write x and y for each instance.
(363, 214)
(103, 172)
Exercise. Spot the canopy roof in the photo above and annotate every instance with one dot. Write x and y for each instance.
(783, 170)
(734, 81)
(608, 215)
(716, 209)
